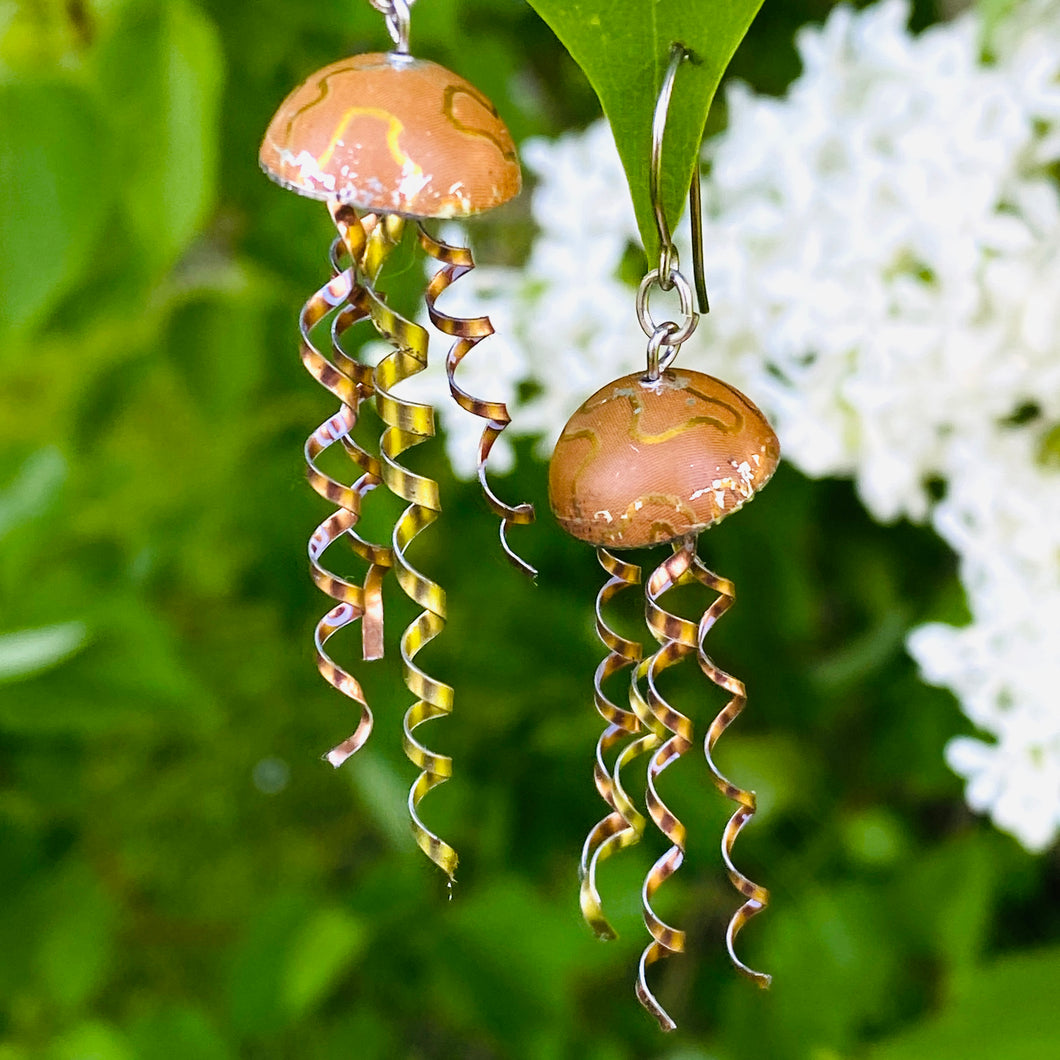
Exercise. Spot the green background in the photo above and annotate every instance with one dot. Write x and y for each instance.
(181, 875)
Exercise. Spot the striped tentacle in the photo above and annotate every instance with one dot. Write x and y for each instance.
(677, 639)
(351, 384)
(468, 332)
(408, 424)
(617, 828)
(757, 897)
(365, 242)
(651, 736)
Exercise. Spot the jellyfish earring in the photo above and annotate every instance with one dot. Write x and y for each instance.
(655, 458)
(382, 138)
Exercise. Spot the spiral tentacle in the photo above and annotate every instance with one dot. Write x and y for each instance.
(625, 827)
(408, 424)
(364, 244)
(617, 828)
(634, 821)
(351, 384)
(468, 332)
(677, 639)
(757, 897)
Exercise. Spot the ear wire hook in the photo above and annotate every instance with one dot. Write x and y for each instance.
(668, 259)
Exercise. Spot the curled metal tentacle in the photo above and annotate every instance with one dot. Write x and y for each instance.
(468, 332)
(350, 384)
(367, 240)
(626, 825)
(365, 243)
(616, 829)
(408, 424)
(677, 639)
(757, 897)
(650, 738)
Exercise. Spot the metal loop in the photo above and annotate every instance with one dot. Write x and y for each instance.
(386, 7)
(663, 335)
(669, 263)
(398, 15)
(648, 326)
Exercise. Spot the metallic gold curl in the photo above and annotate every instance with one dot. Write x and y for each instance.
(351, 384)
(650, 739)
(619, 828)
(468, 332)
(626, 825)
(677, 639)
(408, 424)
(757, 897)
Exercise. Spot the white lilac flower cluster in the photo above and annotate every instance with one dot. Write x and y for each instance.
(884, 264)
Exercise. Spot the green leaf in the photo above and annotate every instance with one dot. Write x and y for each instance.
(177, 1033)
(624, 47)
(93, 1040)
(74, 953)
(55, 199)
(162, 74)
(260, 966)
(835, 942)
(30, 651)
(382, 793)
(968, 870)
(324, 949)
(135, 676)
(1005, 1010)
(513, 979)
(34, 487)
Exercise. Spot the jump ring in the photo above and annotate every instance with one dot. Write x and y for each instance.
(397, 14)
(386, 7)
(648, 325)
(662, 336)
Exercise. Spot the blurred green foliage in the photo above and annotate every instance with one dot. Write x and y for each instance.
(181, 876)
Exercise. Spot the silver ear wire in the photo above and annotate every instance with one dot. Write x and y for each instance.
(668, 259)
(668, 274)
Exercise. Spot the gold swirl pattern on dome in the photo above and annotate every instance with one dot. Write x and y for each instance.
(604, 481)
(390, 133)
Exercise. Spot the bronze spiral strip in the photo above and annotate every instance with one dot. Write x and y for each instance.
(629, 830)
(351, 384)
(367, 241)
(408, 424)
(619, 828)
(650, 739)
(468, 332)
(757, 897)
(677, 639)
